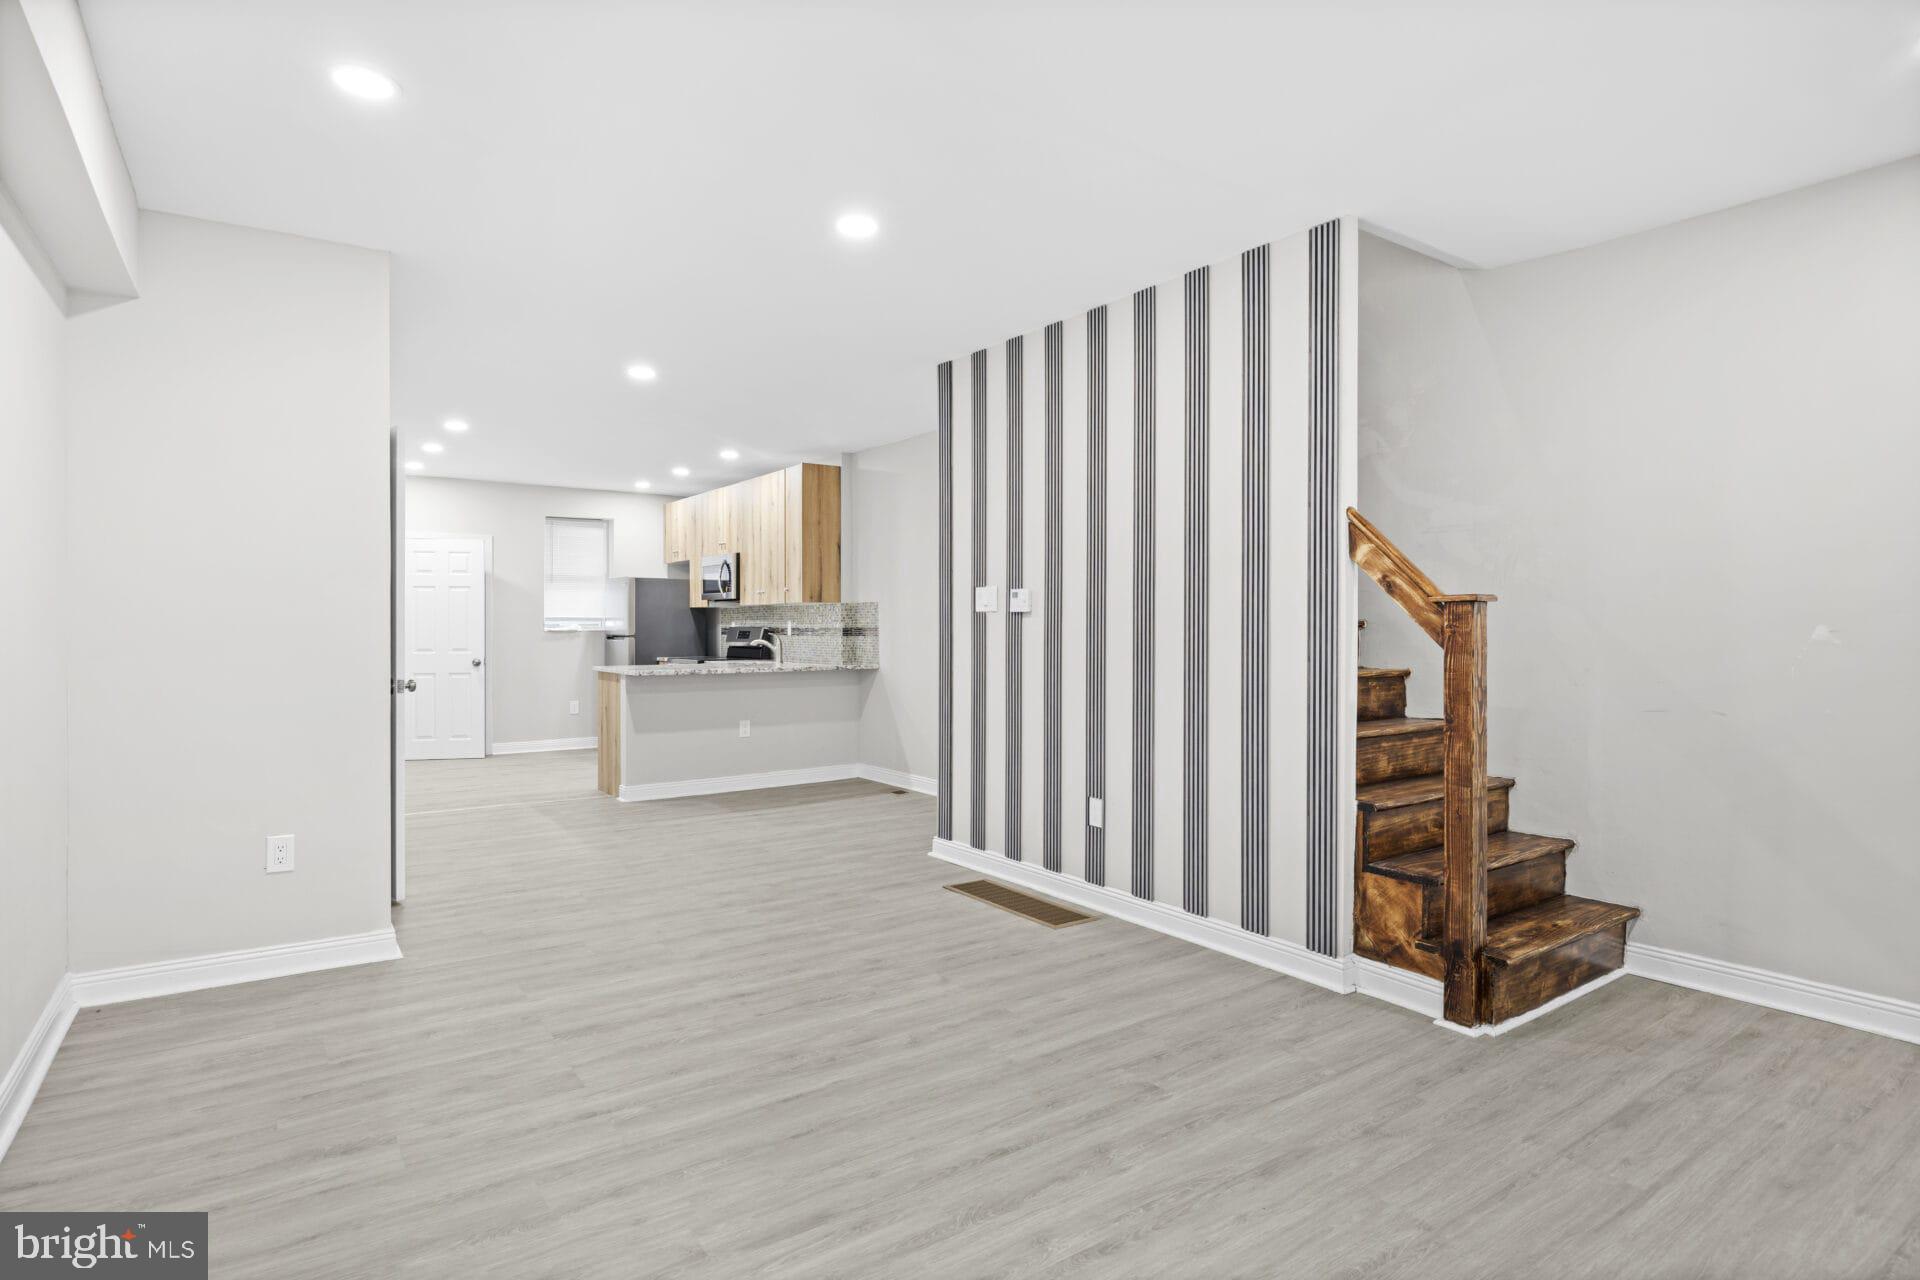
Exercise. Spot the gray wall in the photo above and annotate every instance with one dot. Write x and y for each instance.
(890, 537)
(1685, 461)
(34, 626)
(684, 728)
(533, 673)
(228, 550)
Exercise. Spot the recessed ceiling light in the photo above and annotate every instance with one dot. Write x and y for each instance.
(855, 225)
(643, 484)
(416, 465)
(455, 425)
(682, 472)
(730, 455)
(364, 83)
(432, 446)
(642, 372)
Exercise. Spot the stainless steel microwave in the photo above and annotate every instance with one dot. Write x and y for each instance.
(720, 577)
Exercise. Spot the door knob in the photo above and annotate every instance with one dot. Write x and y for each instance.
(476, 662)
(405, 686)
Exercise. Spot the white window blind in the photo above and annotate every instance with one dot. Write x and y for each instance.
(577, 573)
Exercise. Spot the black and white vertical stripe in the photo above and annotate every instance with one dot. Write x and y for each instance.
(1096, 861)
(1255, 607)
(1050, 590)
(1144, 479)
(1016, 577)
(1193, 703)
(943, 812)
(1326, 556)
(977, 720)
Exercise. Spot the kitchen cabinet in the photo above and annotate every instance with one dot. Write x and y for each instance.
(784, 525)
(762, 514)
(719, 521)
(682, 531)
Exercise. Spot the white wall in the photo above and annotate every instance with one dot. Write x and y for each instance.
(1685, 461)
(533, 673)
(228, 534)
(890, 534)
(34, 627)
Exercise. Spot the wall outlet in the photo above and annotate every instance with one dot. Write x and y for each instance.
(746, 728)
(279, 854)
(1018, 601)
(1096, 811)
(986, 599)
(573, 708)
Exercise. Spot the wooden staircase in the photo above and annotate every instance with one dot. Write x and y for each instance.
(1443, 887)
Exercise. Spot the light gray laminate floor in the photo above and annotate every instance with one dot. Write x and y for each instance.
(748, 1035)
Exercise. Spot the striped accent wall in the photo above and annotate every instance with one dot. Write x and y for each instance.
(977, 720)
(1256, 483)
(1145, 465)
(1096, 638)
(943, 811)
(1326, 578)
(1194, 798)
(1169, 698)
(1016, 505)
(1052, 589)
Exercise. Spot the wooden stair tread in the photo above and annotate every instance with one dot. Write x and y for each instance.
(1398, 725)
(1373, 797)
(1385, 673)
(1504, 848)
(1532, 931)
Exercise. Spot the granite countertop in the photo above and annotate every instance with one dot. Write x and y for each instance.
(681, 669)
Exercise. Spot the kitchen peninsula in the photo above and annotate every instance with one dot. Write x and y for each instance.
(688, 729)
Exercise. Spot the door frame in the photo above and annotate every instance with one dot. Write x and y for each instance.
(396, 672)
(486, 625)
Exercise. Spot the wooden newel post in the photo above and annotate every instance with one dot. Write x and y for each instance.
(1464, 642)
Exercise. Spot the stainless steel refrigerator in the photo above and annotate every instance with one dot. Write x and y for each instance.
(659, 623)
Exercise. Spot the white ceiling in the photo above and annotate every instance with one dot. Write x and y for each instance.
(569, 185)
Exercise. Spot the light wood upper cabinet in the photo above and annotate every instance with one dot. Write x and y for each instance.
(682, 532)
(785, 525)
(762, 516)
(719, 521)
(813, 534)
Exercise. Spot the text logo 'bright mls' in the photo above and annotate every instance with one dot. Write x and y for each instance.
(157, 1244)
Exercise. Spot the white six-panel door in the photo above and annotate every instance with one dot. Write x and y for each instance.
(446, 648)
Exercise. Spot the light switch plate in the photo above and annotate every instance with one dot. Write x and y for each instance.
(573, 707)
(746, 728)
(1096, 811)
(986, 599)
(1018, 600)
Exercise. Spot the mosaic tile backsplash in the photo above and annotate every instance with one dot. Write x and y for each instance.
(847, 634)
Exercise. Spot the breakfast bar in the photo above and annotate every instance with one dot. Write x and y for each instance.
(685, 730)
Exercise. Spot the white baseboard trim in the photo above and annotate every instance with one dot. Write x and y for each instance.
(895, 778)
(29, 1066)
(1413, 991)
(544, 744)
(737, 782)
(1277, 954)
(195, 973)
(1861, 1010)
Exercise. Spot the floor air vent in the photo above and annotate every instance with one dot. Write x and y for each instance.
(1050, 914)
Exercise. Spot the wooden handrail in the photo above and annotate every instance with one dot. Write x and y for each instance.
(1458, 623)
(1398, 576)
